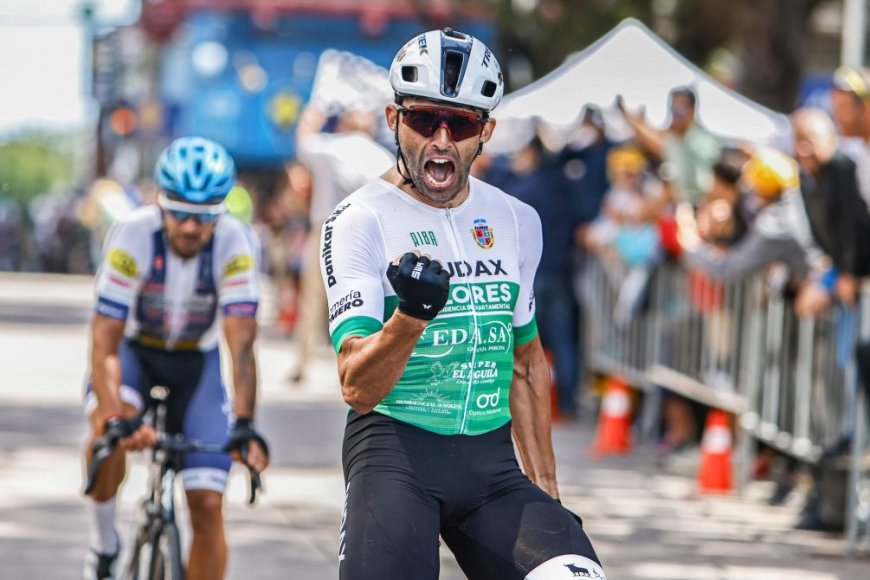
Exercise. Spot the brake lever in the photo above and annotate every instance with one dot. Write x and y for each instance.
(256, 484)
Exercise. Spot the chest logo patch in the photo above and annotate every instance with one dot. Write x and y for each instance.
(238, 265)
(483, 234)
(123, 263)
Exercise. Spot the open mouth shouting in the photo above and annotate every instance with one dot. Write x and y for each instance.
(439, 173)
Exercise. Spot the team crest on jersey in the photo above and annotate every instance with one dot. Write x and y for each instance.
(483, 234)
(123, 263)
(237, 265)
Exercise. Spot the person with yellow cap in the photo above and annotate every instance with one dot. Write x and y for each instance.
(850, 105)
(780, 233)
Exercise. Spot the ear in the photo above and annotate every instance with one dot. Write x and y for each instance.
(392, 116)
(488, 128)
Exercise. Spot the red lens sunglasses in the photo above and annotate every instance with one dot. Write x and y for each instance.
(426, 121)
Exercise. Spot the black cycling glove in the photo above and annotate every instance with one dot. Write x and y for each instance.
(115, 430)
(243, 433)
(421, 285)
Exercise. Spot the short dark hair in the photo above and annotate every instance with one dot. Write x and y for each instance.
(727, 172)
(687, 92)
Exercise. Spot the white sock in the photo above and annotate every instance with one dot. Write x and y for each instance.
(104, 539)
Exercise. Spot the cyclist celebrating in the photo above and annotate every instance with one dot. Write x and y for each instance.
(166, 272)
(429, 276)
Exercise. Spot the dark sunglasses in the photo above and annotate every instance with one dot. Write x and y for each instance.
(181, 211)
(426, 121)
(183, 216)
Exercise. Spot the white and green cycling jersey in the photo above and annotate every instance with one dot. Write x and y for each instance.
(458, 377)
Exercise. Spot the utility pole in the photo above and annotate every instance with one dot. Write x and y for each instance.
(89, 152)
(854, 30)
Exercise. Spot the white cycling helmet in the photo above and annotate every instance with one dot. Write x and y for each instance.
(448, 66)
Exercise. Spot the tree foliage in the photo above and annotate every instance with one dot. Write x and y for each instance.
(765, 36)
(34, 163)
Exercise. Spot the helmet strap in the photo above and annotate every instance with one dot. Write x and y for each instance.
(400, 157)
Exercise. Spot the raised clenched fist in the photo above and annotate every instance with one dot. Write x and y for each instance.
(421, 285)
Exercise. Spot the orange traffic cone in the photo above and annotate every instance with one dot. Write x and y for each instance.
(614, 422)
(714, 473)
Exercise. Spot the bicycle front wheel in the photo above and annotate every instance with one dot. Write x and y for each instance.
(165, 561)
(140, 556)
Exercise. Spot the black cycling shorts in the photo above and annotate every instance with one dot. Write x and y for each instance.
(406, 485)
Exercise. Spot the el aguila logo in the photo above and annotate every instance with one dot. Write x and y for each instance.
(483, 234)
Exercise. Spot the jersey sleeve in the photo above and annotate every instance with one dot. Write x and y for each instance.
(125, 257)
(530, 245)
(238, 252)
(352, 263)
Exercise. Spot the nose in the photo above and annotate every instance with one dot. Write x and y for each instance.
(442, 134)
(190, 224)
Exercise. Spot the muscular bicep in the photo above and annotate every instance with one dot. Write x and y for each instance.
(106, 334)
(527, 357)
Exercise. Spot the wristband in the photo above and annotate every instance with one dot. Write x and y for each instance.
(829, 279)
(244, 422)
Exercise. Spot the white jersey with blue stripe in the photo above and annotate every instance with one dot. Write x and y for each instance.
(171, 302)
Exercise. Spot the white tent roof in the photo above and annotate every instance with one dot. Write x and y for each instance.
(633, 62)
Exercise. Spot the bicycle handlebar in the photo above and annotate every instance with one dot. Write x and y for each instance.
(104, 446)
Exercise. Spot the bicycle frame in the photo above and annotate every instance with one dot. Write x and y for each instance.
(157, 539)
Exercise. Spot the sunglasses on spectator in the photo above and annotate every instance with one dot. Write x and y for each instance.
(182, 211)
(426, 121)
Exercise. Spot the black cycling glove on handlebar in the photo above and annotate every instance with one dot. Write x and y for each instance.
(242, 434)
(421, 285)
(117, 429)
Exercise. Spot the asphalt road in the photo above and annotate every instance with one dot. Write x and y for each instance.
(645, 524)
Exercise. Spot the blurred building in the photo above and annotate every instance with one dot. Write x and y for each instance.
(239, 71)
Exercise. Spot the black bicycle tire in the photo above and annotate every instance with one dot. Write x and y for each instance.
(131, 567)
(171, 560)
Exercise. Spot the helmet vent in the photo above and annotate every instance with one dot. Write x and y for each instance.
(488, 89)
(453, 65)
(409, 74)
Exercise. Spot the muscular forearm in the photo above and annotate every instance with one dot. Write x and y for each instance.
(240, 335)
(245, 383)
(369, 367)
(530, 411)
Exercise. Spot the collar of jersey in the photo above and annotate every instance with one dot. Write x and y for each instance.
(472, 187)
(171, 204)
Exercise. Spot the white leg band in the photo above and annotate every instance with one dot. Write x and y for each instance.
(204, 478)
(565, 567)
(129, 395)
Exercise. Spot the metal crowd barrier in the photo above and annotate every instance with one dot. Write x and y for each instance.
(792, 383)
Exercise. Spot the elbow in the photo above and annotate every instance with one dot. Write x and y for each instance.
(353, 396)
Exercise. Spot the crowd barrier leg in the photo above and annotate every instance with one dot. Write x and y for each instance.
(858, 503)
(750, 377)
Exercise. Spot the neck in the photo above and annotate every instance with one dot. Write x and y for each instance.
(395, 178)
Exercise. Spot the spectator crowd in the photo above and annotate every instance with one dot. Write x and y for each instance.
(679, 194)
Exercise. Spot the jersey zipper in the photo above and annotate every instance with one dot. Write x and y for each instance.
(457, 250)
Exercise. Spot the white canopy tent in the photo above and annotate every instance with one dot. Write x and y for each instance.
(633, 62)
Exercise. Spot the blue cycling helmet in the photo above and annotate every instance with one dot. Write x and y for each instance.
(196, 170)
